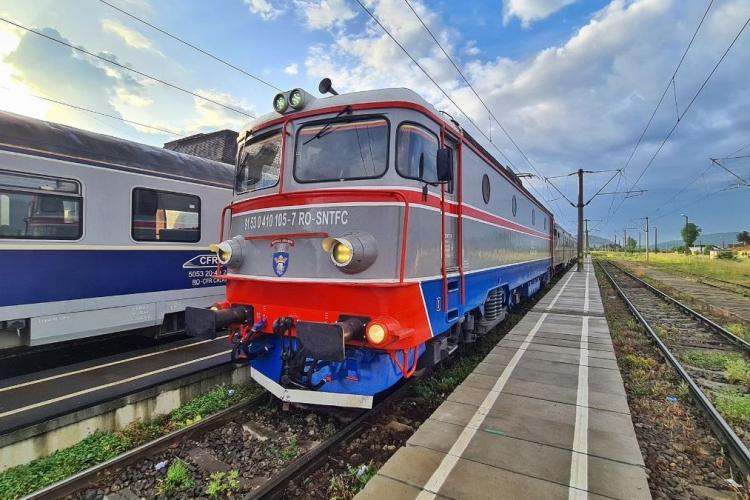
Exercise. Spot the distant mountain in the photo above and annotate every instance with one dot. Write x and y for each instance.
(597, 241)
(717, 239)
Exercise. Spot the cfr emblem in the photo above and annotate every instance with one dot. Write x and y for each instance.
(280, 257)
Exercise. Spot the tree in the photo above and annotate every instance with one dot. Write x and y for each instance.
(690, 233)
(630, 247)
(743, 238)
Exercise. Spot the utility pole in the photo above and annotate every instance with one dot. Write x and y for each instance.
(656, 240)
(646, 240)
(624, 239)
(580, 220)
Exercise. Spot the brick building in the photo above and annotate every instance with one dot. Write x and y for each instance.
(218, 146)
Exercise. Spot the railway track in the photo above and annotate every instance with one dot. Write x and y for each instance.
(273, 488)
(698, 349)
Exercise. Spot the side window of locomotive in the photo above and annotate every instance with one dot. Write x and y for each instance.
(341, 150)
(259, 164)
(416, 150)
(40, 207)
(165, 216)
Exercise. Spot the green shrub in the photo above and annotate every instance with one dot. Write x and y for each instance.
(223, 484)
(738, 370)
(738, 329)
(178, 478)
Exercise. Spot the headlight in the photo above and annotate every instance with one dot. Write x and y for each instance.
(376, 333)
(342, 253)
(229, 252)
(296, 99)
(353, 252)
(280, 103)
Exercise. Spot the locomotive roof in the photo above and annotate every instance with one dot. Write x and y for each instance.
(52, 140)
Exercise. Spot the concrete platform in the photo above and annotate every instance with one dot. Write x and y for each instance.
(544, 415)
(39, 397)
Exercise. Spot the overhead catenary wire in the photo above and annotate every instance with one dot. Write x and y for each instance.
(468, 83)
(484, 104)
(670, 83)
(127, 68)
(192, 46)
(93, 111)
(687, 108)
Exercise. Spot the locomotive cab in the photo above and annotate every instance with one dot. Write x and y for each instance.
(342, 245)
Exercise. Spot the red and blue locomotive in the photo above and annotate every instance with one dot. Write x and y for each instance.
(369, 237)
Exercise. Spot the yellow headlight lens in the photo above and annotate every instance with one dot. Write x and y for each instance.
(376, 333)
(341, 253)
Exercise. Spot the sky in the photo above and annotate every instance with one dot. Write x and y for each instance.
(572, 82)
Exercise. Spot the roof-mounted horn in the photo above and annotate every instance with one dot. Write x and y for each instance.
(324, 87)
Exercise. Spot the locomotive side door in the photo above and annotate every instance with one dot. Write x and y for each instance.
(450, 214)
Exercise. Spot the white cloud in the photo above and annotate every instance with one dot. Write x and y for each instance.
(581, 102)
(321, 14)
(292, 69)
(211, 117)
(264, 9)
(129, 98)
(130, 36)
(471, 49)
(529, 11)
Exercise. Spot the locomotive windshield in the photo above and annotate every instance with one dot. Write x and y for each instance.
(335, 151)
(259, 164)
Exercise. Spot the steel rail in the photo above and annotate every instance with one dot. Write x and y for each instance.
(737, 449)
(315, 458)
(687, 309)
(95, 473)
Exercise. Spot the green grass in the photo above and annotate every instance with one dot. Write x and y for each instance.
(223, 484)
(217, 399)
(709, 360)
(634, 361)
(443, 381)
(734, 406)
(346, 485)
(177, 478)
(733, 271)
(738, 371)
(739, 329)
(24, 479)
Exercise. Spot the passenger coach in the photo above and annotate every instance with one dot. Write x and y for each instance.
(368, 236)
(101, 235)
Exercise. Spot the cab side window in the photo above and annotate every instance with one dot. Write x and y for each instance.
(416, 152)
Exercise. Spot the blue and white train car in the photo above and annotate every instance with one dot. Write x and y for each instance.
(101, 235)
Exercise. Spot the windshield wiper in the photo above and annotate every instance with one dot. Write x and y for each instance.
(328, 124)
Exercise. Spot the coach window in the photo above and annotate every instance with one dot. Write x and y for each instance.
(533, 217)
(165, 216)
(259, 163)
(342, 150)
(514, 206)
(39, 207)
(416, 151)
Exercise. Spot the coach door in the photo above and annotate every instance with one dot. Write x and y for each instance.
(451, 242)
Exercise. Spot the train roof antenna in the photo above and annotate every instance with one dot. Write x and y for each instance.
(324, 87)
